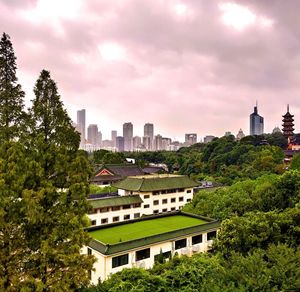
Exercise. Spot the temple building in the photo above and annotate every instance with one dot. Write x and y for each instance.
(288, 126)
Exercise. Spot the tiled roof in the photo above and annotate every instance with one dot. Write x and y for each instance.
(155, 183)
(115, 201)
(122, 170)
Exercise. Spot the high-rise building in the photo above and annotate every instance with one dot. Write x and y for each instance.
(81, 126)
(137, 142)
(256, 123)
(276, 130)
(113, 137)
(99, 139)
(149, 132)
(208, 138)
(128, 135)
(92, 134)
(146, 142)
(190, 138)
(158, 142)
(120, 143)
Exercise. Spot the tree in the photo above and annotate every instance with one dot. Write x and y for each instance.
(12, 115)
(55, 205)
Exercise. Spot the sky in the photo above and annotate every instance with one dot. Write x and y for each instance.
(188, 66)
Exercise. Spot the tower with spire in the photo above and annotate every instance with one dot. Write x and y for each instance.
(256, 122)
(288, 125)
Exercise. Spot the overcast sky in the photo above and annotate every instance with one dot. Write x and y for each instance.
(186, 66)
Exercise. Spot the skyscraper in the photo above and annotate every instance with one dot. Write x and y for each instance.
(120, 143)
(113, 138)
(256, 123)
(128, 135)
(92, 134)
(191, 138)
(81, 126)
(149, 132)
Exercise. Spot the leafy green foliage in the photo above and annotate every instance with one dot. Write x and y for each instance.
(12, 115)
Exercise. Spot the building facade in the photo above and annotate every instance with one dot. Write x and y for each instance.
(190, 138)
(81, 126)
(149, 132)
(115, 248)
(128, 136)
(92, 134)
(256, 123)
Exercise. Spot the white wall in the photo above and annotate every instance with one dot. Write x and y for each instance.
(103, 266)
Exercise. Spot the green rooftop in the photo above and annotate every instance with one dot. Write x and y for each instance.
(148, 183)
(115, 201)
(141, 229)
(119, 237)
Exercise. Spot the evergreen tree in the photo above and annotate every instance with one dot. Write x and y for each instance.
(56, 207)
(12, 115)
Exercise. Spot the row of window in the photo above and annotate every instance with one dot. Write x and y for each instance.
(145, 253)
(117, 218)
(116, 208)
(170, 191)
(165, 201)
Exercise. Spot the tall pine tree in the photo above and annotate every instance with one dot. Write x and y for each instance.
(55, 212)
(12, 115)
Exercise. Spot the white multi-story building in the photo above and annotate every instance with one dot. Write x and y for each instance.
(142, 195)
(142, 242)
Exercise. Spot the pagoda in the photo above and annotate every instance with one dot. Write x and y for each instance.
(288, 126)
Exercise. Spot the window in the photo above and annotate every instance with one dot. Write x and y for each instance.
(142, 254)
(188, 200)
(116, 208)
(211, 235)
(120, 260)
(136, 205)
(173, 200)
(126, 217)
(156, 202)
(173, 209)
(189, 191)
(103, 210)
(116, 219)
(155, 211)
(164, 255)
(126, 207)
(89, 251)
(146, 196)
(137, 215)
(146, 206)
(104, 220)
(180, 199)
(197, 239)
(164, 210)
(180, 243)
(165, 201)
(180, 190)
(155, 193)
(93, 222)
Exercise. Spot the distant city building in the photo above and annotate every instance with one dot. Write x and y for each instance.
(137, 142)
(113, 137)
(240, 135)
(208, 138)
(81, 126)
(165, 143)
(128, 136)
(120, 143)
(228, 133)
(147, 142)
(149, 132)
(158, 142)
(256, 123)
(191, 138)
(276, 130)
(92, 134)
(99, 139)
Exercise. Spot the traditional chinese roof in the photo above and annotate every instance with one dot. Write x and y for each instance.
(148, 183)
(115, 201)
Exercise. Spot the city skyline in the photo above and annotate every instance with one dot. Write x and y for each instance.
(144, 61)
